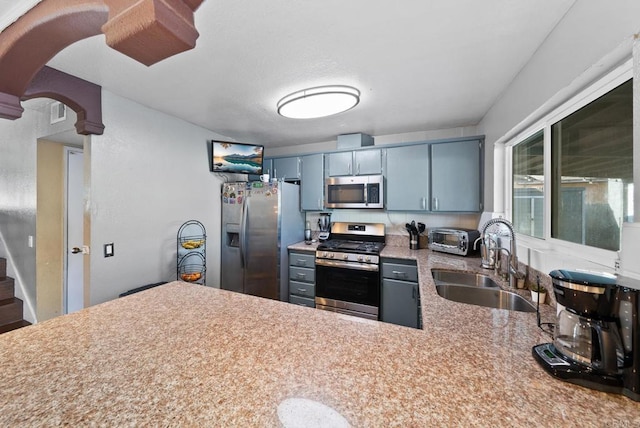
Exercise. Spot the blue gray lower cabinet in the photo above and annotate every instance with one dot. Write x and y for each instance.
(400, 294)
(302, 278)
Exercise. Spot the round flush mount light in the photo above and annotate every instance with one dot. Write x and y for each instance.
(318, 102)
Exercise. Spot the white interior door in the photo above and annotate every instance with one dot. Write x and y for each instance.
(74, 285)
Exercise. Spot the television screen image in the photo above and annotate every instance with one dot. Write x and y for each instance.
(237, 157)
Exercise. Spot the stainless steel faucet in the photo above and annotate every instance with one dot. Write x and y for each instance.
(490, 250)
(500, 271)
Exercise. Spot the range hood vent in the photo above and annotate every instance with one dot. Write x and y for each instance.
(354, 141)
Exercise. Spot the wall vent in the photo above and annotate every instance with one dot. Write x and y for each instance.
(58, 112)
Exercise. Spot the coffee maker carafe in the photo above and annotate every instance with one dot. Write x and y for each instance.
(594, 343)
(596, 339)
(324, 226)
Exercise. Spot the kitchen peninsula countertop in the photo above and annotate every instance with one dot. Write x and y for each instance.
(187, 355)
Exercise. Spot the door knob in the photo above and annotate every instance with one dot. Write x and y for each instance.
(76, 250)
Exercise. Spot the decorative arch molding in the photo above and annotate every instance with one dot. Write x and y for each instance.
(36, 37)
(85, 98)
(145, 30)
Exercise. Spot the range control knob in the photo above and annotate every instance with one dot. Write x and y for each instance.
(345, 256)
(325, 254)
(368, 259)
(331, 255)
(360, 258)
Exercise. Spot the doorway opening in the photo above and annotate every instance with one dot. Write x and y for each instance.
(60, 237)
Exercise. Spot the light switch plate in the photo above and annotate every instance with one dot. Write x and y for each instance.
(108, 250)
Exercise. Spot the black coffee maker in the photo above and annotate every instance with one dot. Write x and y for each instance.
(596, 340)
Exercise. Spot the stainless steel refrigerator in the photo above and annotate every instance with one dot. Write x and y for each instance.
(259, 221)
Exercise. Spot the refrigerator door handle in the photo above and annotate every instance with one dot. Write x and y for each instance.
(243, 228)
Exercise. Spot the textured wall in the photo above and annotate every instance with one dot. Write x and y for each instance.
(50, 229)
(591, 39)
(18, 201)
(18, 143)
(589, 32)
(149, 174)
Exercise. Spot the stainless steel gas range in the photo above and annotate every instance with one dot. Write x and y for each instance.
(348, 269)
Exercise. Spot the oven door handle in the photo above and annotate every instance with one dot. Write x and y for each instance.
(347, 265)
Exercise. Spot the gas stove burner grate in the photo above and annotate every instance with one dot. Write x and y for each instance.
(352, 246)
(349, 245)
(355, 238)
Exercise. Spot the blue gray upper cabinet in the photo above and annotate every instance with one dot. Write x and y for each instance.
(312, 182)
(408, 176)
(357, 162)
(456, 176)
(286, 168)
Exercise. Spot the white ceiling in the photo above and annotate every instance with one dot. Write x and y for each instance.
(420, 64)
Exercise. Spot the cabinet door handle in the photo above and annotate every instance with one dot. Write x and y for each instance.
(275, 173)
(350, 168)
(301, 275)
(319, 202)
(302, 262)
(399, 273)
(414, 293)
(358, 169)
(435, 204)
(423, 202)
(298, 168)
(302, 290)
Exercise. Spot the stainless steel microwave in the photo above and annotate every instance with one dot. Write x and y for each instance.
(360, 191)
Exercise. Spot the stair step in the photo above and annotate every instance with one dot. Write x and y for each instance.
(10, 310)
(13, 326)
(7, 288)
(3, 267)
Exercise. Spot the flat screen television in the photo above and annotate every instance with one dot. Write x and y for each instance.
(238, 158)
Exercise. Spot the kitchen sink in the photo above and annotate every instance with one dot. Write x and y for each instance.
(444, 276)
(477, 289)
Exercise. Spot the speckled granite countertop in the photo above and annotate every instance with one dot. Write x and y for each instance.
(187, 355)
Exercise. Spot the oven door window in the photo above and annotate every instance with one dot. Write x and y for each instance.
(345, 193)
(446, 239)
(348, 285)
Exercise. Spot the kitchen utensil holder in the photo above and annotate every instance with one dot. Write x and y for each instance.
(414, 243)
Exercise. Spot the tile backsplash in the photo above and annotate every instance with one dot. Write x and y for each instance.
(395, 221)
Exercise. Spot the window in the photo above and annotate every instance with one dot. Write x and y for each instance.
(528, 186)
(592, 171)
(586, 191)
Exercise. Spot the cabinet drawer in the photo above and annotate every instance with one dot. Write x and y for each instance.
(302, 274)
(302, 301)
(302, 289)
(399, 271)
(302, 260)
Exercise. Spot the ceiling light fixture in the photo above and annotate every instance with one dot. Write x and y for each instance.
(318, 102)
